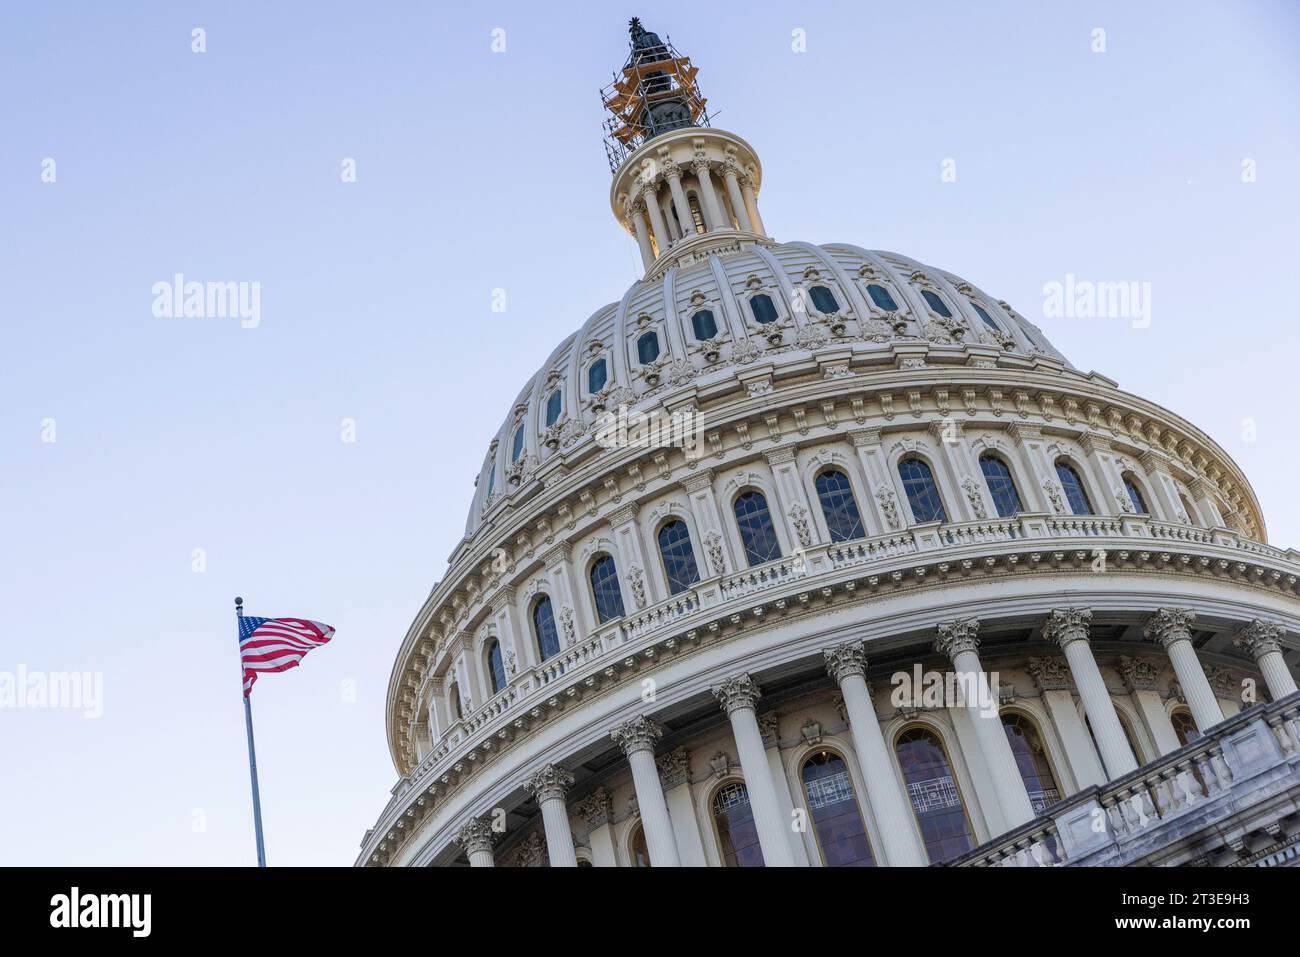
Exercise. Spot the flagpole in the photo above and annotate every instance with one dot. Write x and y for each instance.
(252, 753)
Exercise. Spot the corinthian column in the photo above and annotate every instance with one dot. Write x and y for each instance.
(847, 664)
(662, 237)
(549, 786)
(637, 737)
(1263, 639)
(1172, 627)
(637, 215)
(707, 193)
(475, 836)
(737, 696)
(1068, 627)
(959, 642)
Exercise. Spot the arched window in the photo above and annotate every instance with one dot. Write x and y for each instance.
(881, 297)
(763, 308)
(517, 445)
(1075, 493)
(839, 507)
(1184, 726)
(737, 835)
(1031, 759)
(938, 305)
(553, 406)
(1135, 494)
(697, 217)
(997, 475)
(679, 557)
(456, 704)
(496, 667)
(1191, 512)
(647, 348)
(988, 320)
(933, 791)
(597, 376)
(605, 590)
(637, 846)
(548, 639)
(492, 476)
(703, 325)
(922, 492)
(834, 809)
(823, 300)
(756, 529)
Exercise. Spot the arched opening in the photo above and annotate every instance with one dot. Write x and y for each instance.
(839, 507)
(734, 820)
(757, 533)
(1134, 492)
(833, 806)
(922, 491)
(678, 556)
(936, 800)
(548, 638)
(1032, 761)
(605, 591)
(496, 667)
(1002, 486)
(637, 849)
(1075, 494)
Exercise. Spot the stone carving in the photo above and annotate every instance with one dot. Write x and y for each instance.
(812, 337)
(512, 664)
(475, 835)
(679, 372)
(1055, 495)
(811, 732)
(974, 497)
(736, 693)
(799, 518)
(877, 330)
(636, 579)
(885, 496)
(1051, 674)
(841, 707)
(674, 768)
(1123, 501)
(745, 351)
(713, 545)
(720, 763)
(596, 809)
(957, 636)
(758, 387)
(769, 723)
(566, 621)
(1065, 625)
(1221, 680)
(844, 661)
(1138, 674)
(1168, 625)
(521, 472)
(1259, 638)
(550, 783)
(531, 851)
(637, 734)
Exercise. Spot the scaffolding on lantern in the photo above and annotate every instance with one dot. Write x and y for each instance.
(655, 93)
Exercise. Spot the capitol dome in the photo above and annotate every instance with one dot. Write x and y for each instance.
(811, 555)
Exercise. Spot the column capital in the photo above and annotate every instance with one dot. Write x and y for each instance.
(1259, 637)
(699, 481)
(475, 835)
(637, 734)
(1065, 625)
(1093, 443)
(864, 438)
(780, 455)
(1022, 433)
(550, 783)
(674, 768)
(737, 693)
(957, 636)
(1169, 625)
(845, 660)
(596, 809)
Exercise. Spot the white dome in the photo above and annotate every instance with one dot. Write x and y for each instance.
(858, 334)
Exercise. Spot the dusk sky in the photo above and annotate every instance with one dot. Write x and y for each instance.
(154, 467)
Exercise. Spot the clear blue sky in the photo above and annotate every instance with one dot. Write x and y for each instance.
(475, 171)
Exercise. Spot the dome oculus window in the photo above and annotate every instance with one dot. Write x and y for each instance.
(824, 300)
(703, 325)
(763, 308)
(881, 297)
(937, 304)
(647, 348)
(597, 376)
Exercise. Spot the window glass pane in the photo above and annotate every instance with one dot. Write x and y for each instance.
(548, 639)
(497, 668)
(1074, 491)
(834, 810)
(678, 556)
(937, 304)
(763, 308)
(553, 406)
(1031, 758)
(736, 831)
(922, 493)
(704, 325)
(988, 320)
(881, 297)
(839, 507)
(1135, 495)
(1001, 485)
(935, 799)
(596, 377)
(756, 530)
(605, 590)
(517, 446)
(640, 853)
(647, 348)
(1185, 727)
(823, 299)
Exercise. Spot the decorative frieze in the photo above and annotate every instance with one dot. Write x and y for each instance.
(674, 768)
(596, 809)
(1139, 674)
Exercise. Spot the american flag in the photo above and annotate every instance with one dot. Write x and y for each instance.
(276, 644)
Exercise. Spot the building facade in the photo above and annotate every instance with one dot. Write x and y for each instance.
(812, 555)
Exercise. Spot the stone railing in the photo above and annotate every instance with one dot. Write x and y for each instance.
(1242, 762)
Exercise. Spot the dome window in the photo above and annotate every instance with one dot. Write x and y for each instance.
(834, 811)
(496, 667)
(763, 308)
(988, 320)
(839, 507)
(1135, 495)
(517, 446)
(937, 304)
(1001, 485)
(881, 297)
(548, 639)
(679, 557)
(824, 300)
(605, 589)
(1075, 493)
(922, 492)
(597, 376)
(647, 348)
(703, 325)
(553, 406)
(757, 532)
